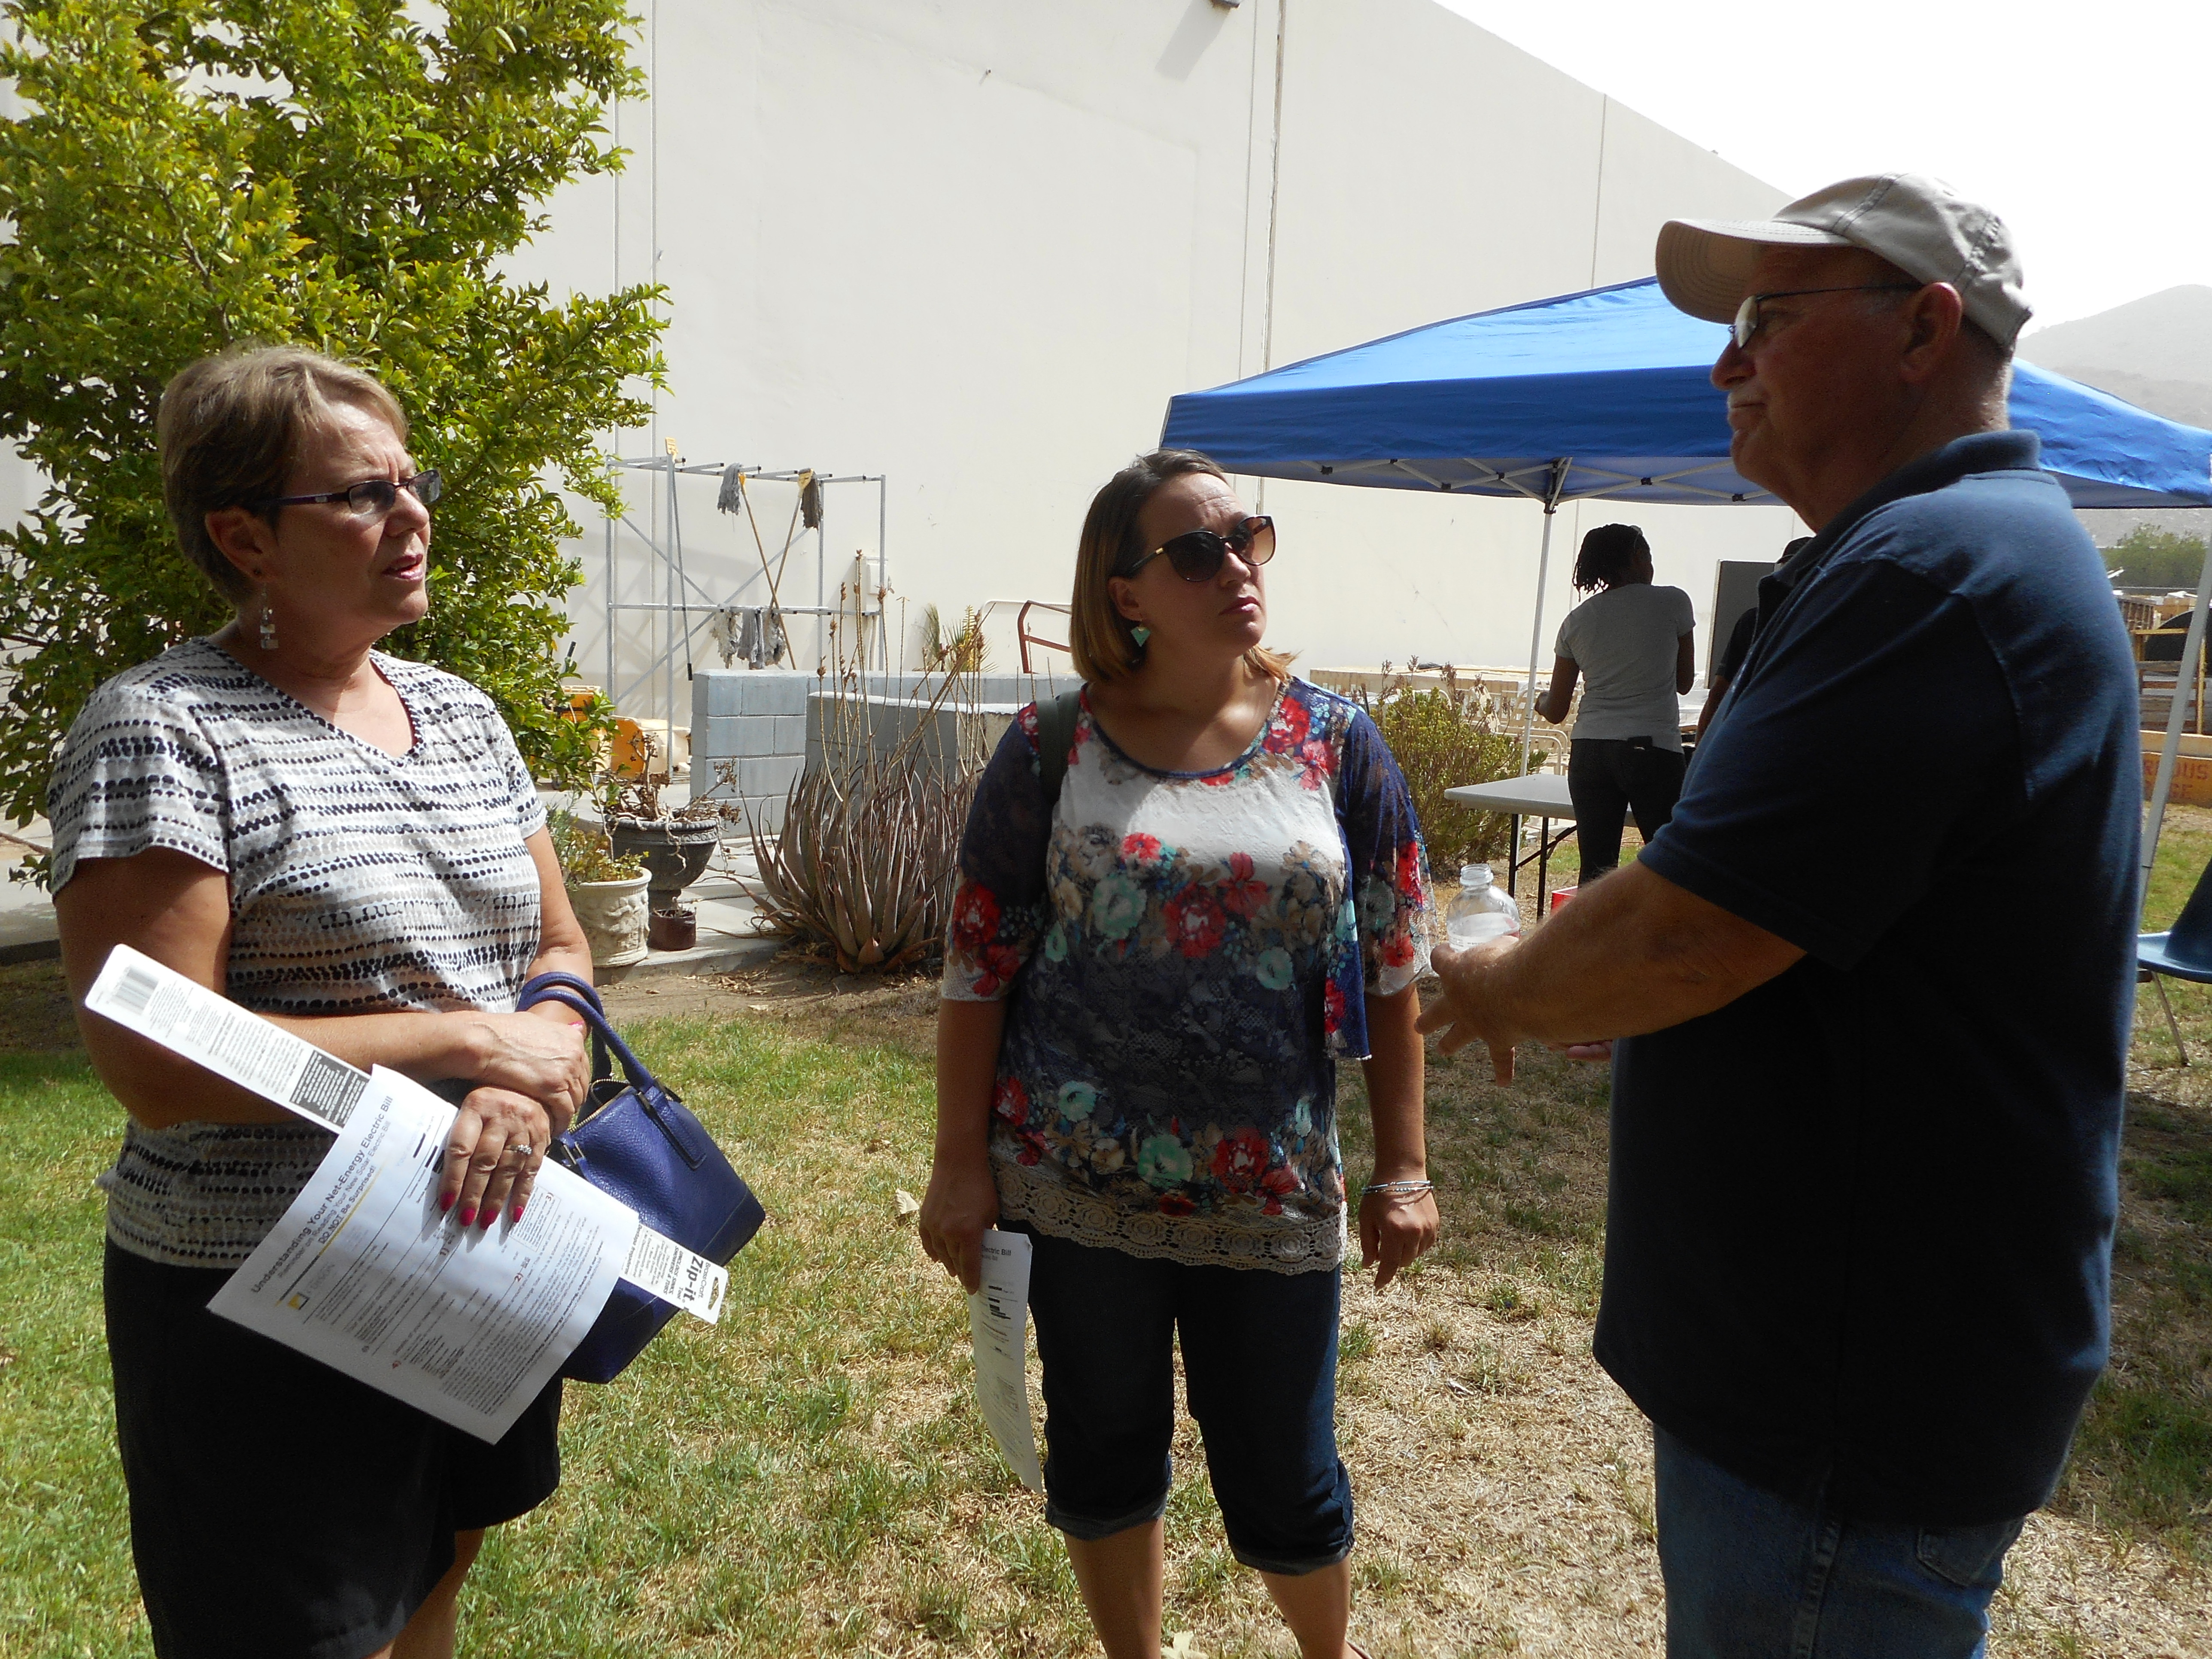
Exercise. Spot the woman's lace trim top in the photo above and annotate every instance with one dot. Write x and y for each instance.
(1178, 952)
(360, 883)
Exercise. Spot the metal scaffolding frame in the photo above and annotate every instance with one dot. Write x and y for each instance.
(681, 595)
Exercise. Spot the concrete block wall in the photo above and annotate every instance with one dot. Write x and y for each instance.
(752, 722)
(766, 726)
(841, 736)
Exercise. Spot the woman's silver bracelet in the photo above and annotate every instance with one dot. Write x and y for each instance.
(1398, 1189)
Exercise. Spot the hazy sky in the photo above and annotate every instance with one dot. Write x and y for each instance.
(2084, 126)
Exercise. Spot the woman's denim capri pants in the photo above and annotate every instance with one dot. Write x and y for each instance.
(1258, 1351)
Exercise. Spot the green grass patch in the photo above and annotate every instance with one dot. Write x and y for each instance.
(1520, 1174)
(809, 1476)
(66, 1584)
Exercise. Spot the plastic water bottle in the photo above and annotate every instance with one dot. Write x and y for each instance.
(1479, 912)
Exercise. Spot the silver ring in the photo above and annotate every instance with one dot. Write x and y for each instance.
(525, 1151)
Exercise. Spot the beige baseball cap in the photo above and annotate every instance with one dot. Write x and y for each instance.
(1918, 224)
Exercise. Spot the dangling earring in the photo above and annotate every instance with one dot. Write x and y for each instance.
(1139, 633)
(268, 623)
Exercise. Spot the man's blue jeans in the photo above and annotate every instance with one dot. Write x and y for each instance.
(1752, 1575)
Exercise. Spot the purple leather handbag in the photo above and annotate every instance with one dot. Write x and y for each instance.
(636, 1141)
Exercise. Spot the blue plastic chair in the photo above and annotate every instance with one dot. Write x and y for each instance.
(2185, 951)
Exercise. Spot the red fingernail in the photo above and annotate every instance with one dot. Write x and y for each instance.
(446, 1200)
(468, 1214)
(517, 1216)
(489, 1216)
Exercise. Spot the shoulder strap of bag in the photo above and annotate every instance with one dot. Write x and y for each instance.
(580, 998)
(1055, 736)
(532, 989)
(655, 1099)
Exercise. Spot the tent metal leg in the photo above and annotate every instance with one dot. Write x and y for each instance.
(1552, 489)
(2171, 1025)
(2188, 671)
(1535, 643)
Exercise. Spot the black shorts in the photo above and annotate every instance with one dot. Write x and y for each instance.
(279, 1509)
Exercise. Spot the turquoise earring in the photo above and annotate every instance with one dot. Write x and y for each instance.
(1140, 633)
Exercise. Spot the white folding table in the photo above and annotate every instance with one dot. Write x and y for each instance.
(1540, 795)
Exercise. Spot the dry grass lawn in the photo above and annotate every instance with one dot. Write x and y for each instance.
(1503, 1483)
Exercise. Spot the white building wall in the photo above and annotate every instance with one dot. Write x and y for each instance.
(977, 246)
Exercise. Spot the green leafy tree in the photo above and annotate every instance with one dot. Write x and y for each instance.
(334, 172)
(2149, 557)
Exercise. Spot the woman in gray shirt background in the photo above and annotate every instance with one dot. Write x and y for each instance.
(1631, 642)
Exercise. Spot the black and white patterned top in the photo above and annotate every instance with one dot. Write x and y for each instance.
(360, 883)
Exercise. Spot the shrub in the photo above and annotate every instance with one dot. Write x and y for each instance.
(864, 867)
(2148, 556)
(585, 852)
(1443, 737)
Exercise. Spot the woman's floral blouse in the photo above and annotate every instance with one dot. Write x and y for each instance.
(1183, 958)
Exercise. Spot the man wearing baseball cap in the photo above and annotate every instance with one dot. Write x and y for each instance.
(1875, 977)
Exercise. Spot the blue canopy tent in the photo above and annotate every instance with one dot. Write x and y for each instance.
(1606, 394)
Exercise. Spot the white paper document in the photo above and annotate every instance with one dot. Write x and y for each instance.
(364, 1271)
(156, 1001)
(998, 1315)
(367, 1274)
(656, 1263)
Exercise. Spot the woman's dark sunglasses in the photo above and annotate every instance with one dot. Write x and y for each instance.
(1197, 555)
(373, 497)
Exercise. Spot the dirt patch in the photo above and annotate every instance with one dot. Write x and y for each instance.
(36, 1016)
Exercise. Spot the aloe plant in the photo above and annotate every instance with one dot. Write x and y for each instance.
(864, 865)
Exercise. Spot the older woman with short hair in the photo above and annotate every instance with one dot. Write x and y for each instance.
(349, 844)
(1154, 968)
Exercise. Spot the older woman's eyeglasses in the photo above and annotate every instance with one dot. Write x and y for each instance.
(1747, 319)
(1197, 555)
(372, 498)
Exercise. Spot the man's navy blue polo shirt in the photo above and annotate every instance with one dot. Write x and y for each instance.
(1860, 1220)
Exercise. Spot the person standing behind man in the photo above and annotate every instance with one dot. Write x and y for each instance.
(1866, 1122)
(1737, 649)
(1631, 642)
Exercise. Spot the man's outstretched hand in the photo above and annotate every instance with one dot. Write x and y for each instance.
(1634, 952)
(1467, 1011)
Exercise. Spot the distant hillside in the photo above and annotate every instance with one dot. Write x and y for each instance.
(2160, 339)
(2156, 352)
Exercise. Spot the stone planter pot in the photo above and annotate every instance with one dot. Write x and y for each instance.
(675, 851)
(613, 916)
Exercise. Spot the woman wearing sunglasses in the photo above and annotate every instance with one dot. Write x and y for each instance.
(1149, 982)
(349, 844)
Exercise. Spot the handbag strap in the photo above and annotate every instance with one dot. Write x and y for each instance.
(583, 987)
(579, 997)
(633, 1068)
(692, 1141)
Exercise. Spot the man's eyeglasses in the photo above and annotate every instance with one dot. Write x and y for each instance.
(1747, 319)
(372, 498)
(1197, 555)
